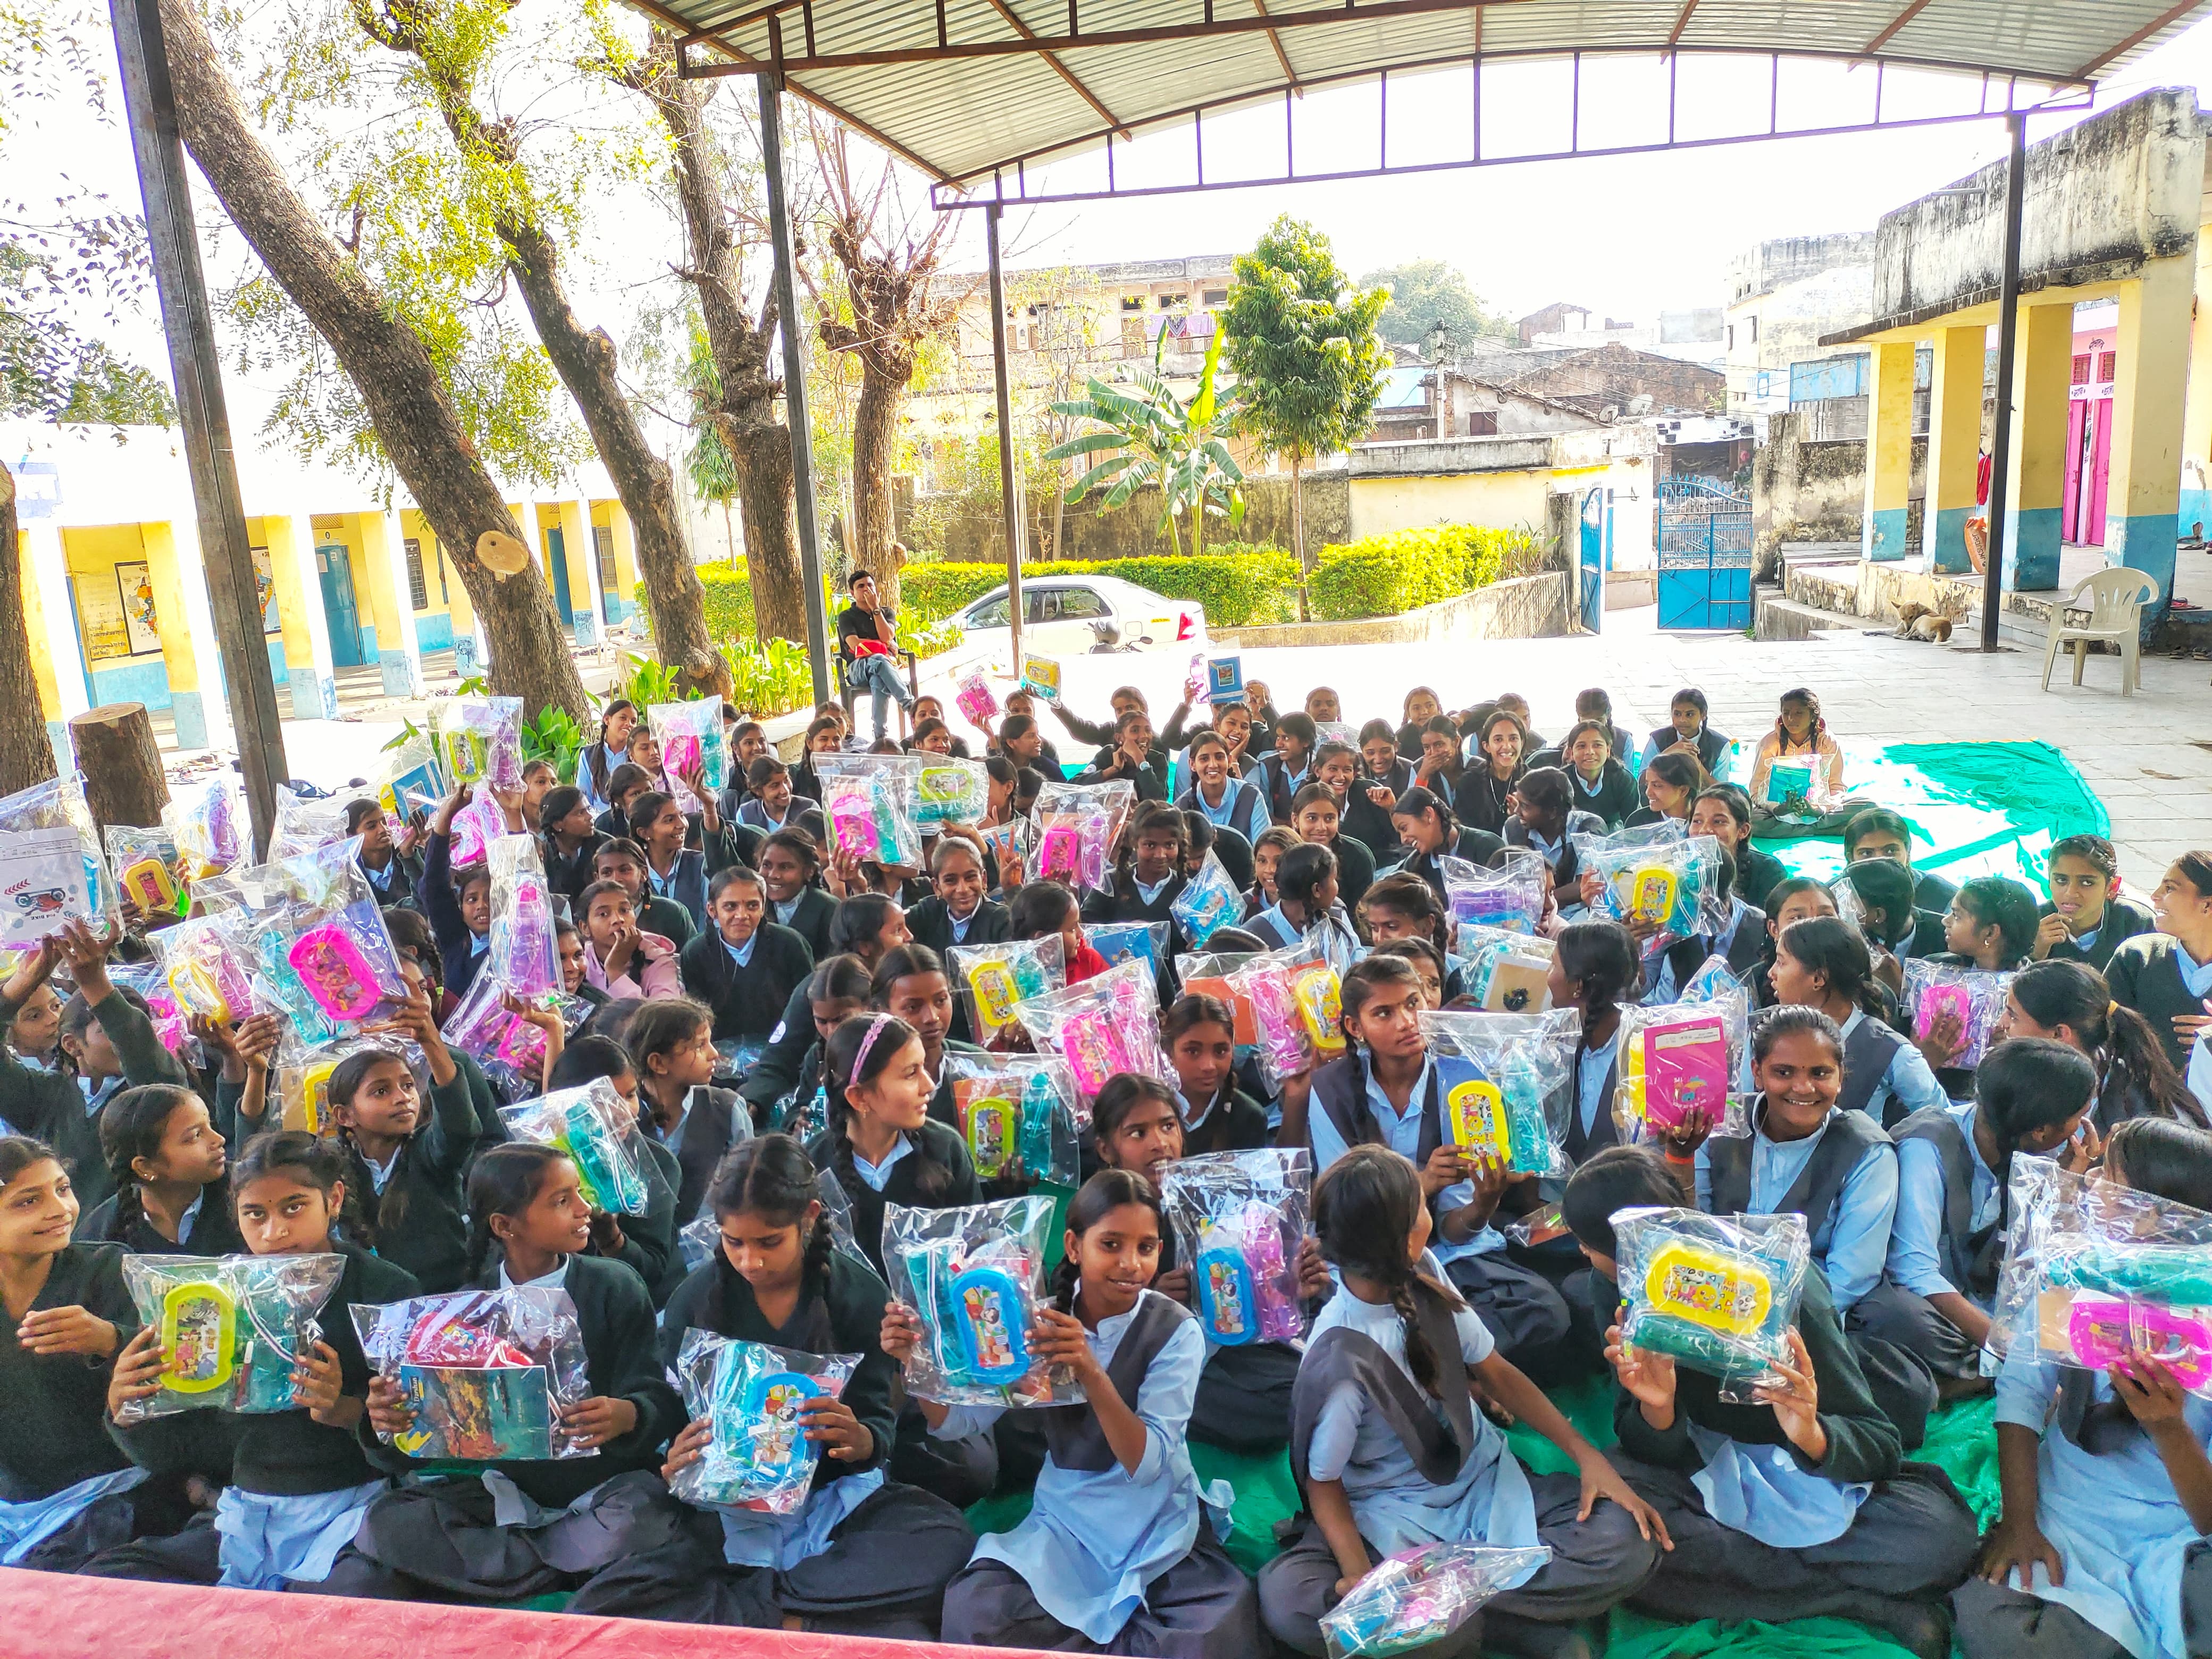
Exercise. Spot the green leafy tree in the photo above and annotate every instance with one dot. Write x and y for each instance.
(1308, 360)
(1151, 439)
(1425, 293)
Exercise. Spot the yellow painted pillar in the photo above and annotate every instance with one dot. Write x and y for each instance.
(1889, 451)
(625, 550)
(186, 624)
(2041, 373)
(2196, 514)
(583, 563)
(50, 624)
(1955, 439)
(309, 674)
(2144, 496)
(383, 552)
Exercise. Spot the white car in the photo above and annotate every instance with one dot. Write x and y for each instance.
(1070, 616)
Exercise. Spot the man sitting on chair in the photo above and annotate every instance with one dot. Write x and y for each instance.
(868, 646)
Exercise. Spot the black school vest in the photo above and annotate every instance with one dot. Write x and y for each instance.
(1971, 1259)
(1341, 1355)
(1844, 1142)
(1072, 1433)
(1603, 1132)
(708, 1116)
(1340, 1086)
(1868, 1052)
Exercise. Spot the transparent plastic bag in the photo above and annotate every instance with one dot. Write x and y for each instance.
(1107, 1024)
(150, 981)
(1506, 972)
(1679, 1057)
(481, 1027)
(52, 869)
(592, 1125)
(407, 778)
(1297, 1010)
(949, 790)
(975, 699)
(1508, 1085)
(759, 1458)
(1717, 1293)
(522, 952)
(233, 1327)
(1511, 898)
(1009, 846)
(1975, 996)
(869, 816)
(1020, 1116)
(975, 1276)
(479, 740)
(1420, 1595)
(1539, 1226)
(1041, 676)
(1209, 901)
(207, 824)
(1239, 1219)
(1118, 942)
(303, 1072)
(208, 976)
(1077, 825)
(484, 1373)
(1209, 973)
(305, 822)
(322, 952)
(1672, 885)
(148, 871)
(691, 739)
(480, 822)
(993, 979)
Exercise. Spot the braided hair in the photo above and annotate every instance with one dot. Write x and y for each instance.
(2119, 1040)
(387, 1210)
(857, 928)
(2029, 1084)
(1099, 1197)
(1364, 1208)
(1599, 960)
(770, 1176)
(321, 1165)
(505, 1180)
(1832, 947)
(843, 1066)
(133, 1127)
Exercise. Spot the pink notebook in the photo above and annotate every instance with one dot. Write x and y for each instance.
(1685, 1066)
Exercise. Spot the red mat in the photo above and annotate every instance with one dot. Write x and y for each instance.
(54, 1616)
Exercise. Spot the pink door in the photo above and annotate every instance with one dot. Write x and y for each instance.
(2070, 512)
(2100, 472)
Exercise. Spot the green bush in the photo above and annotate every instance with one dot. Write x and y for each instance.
(1239, 589)
(729, 611)
(1385, 575)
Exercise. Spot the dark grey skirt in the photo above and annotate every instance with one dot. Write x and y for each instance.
(1243, 1401)
(1202, 1607)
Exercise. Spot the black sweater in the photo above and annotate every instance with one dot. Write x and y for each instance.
(933, 1142)
(214, 1228)
(1237, 1124)
(777, 1071)
(2123, 919)
(2145, 974)
(50, 1106)
(419, 1219)
(53, 1431)
(845, 1314)
(745, 999)
(457, 947)
(1615, 799)
(621, 1360)
(811, 920)
(286, 1454)
(930, 924)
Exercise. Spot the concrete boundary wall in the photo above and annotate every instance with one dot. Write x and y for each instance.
(1524, 608)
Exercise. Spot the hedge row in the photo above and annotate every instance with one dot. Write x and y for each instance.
(1239, 589)
(1386, 575)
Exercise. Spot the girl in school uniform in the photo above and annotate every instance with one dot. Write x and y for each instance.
(1723, 810)
(1740, 942)
(1793, 900)
(1952, 1164)
(1670, 786)
(864, 1555)
(1307, 907)
(1391, 1452)
(957, 912)
(1115, 1555)
(1362, 803)
(1198, 1034)
(1425, 827)
(1382, 764)
(2071, 1002)
(673, 870)
(1800, 730)
(1317, 815)
(1387, 1090)
(1268, 851)
(458, 906)
(166, 1160)
(1288, 768)
(866, 926)
(1821, 962)
(67, 1491)
(621, 958)
(2167, 976)
(1595, 969)
(571, 840)
(1226, 800)
(742, 966)
(1402, 907)
(911, 985)
(1602, 786)
(547, 1524)
(1481, 795)
(299, 1480)
(1148, 872)
(1794, 1507)
(1991, 924)
(1046, 907)
(405, 1164)
(770, 804)
(672, 1044)
(790, 860)
(646, 1241)
(596, 766)
(1439, 771)
(1421, 705)
(1548, 823)
(2087, 919)
(645, 754)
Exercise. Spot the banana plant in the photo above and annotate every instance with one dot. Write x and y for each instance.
(1151, 439)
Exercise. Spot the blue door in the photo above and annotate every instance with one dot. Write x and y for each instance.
(1591, 564)
(556, 555)
(338, 609)
(1705, 555)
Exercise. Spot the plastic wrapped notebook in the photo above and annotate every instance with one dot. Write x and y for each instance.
(1417, 1597)
(1239, 1219)
(759, 1458)
(593, 1124)
(1511, 898)
(1933, 990)
(1717, 1293)
(993, 979)
(233, 1328)
(1019, 1115)
(1207, 973)
(976, 1277)
(1129, 941)
(52, 869)
(1677, 1057)
(949, 790)
(485, 1375)
(1107, 1024)
(1506, 1081)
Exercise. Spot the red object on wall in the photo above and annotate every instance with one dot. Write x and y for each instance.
(58, 1617)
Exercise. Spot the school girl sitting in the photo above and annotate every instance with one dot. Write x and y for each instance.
(524, 1527)
(1318, 818)
(864, 1555)
(1147, 876)
(1425, 827)
(1669, 787)
(1197, 1034)
(166, 1161)
(1797, 1506)
(622, 959)
(674, 870)
(2072, 1002)
(670, 1042)
(2100, 1551)
(1045, 908)
(389, 871)
(1602, 786)
(624, 861)
(1362, 803)
(2164, 977)
(2087, 919)
(1307, 907)
(1822, 963)
(1268, 851)
(1952, 1165)
(1227, 800)
(1115, 1554)
(957, 912)
(596, 766)
(300, 1481)
(910, 984)
(770, 802)
(1419, 707)
(1440, 771)
(1546, 823)
(743, 967)
(1404, 907)
(1741, 942)
(1482, 794)
(645, 1240)
(1387, 1090)
(1818, 808)
(790, 860)
(458, 906)
(1723, 810)
(1391, 1452)
(1876, 832)
(1687, 732)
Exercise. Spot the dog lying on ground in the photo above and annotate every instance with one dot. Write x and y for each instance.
(1917, 621)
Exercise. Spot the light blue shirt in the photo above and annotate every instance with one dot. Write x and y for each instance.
(555, 1281)
(24, 1525)
(1916, 1241)
(742, 954)
(1148, 893)
(192, 1214)
(1852, 1241)
(786, 909)
(1242, 807)
(269, 1539)
(879, 1174)
(2196, 977)
(1549, 851)
(962, 924)
(1908, 1080)
(96, 1098)
(1402, 1133)
(1663, 988)
(381, 1174)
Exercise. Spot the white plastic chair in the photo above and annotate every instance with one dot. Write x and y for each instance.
(2116, 598)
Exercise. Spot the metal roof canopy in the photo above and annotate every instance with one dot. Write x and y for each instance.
(1027, 102)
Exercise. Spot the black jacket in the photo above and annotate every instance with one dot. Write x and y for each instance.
(50, 1106)
(811, 921)
(419, 1217)
(53, 1433)
(933, 1142)
(745, 999)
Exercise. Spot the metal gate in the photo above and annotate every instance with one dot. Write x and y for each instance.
(1590, 564)
(1705, 555)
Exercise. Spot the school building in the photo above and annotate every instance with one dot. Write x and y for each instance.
(115, 590)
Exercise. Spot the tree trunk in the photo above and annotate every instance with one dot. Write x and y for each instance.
(123, 778)
(26, 756)
(875, 432)
(409, 406)
(764, 457)
(1299, 535)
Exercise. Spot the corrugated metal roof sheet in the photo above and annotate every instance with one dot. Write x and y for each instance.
(961, 116)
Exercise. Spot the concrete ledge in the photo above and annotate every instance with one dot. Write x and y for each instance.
(1524, 608)
(1779, 617)
(1630, 589)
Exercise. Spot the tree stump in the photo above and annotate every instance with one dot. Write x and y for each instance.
(123, 778)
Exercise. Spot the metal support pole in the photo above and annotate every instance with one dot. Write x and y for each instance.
(795, 387)
(1010, 495)
(196, 370)
(2007, 345)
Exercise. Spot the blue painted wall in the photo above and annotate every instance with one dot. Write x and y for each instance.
(433, 633)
